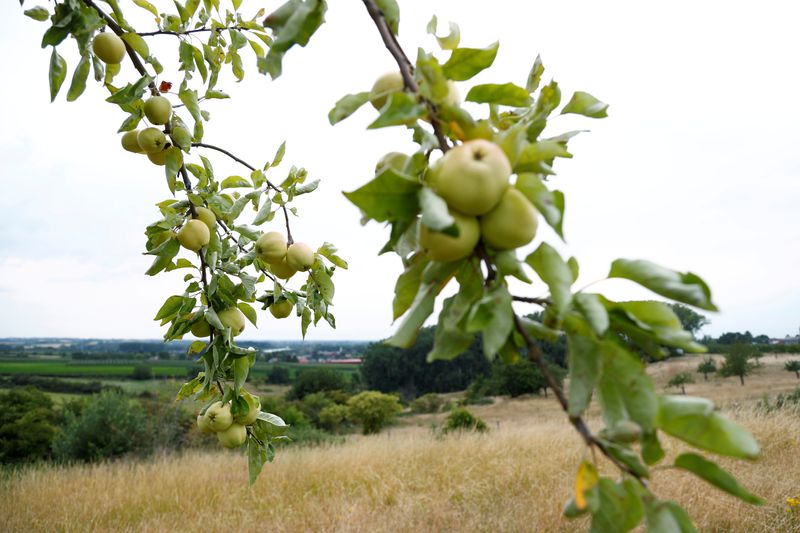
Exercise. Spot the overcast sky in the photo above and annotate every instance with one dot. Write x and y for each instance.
(696, 168)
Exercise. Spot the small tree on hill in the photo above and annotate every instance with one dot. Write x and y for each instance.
(373, 410)
(793, 366)
(708, 366)
(738, 362)
(681, 380)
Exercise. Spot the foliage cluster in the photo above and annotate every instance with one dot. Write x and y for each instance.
(461, 419)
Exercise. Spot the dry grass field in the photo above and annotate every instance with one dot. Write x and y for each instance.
(515, 478)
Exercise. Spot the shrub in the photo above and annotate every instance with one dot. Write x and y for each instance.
(279, 375)
(373, 410)
(313, 404)
(142, 372)
(316, 380)
(332, 417)
(26, 425)
(289, 412)
(109, 425)
(427, 403)
(461, 419)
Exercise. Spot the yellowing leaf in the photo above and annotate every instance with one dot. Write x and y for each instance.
(585, 480)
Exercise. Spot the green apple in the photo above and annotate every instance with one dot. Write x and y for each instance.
(203, 424)
(471, 177)
(194, 235)
(281, 309)
(442, 247)
(109, 48)
(300, 256)
(157, 109)
(219, 416)
(388, 83)
(233, 437)
(271, 247)
(254, 405)
(158, 158)
(282, 269)
(207, 216)
(232, 318)
(453, 98)
(512, 223)
(130, 142)
(151, 140)
(201, 328)
(393, 160)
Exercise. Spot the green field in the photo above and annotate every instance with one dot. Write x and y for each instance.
(124, 368)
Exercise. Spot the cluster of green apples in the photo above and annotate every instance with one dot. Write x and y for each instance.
(231, 430)
(231, 317)
(474, 179)
(152, 141)
(284, 261)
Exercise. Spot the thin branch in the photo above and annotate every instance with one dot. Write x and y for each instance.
(188, 32)
(491, 271)
(289, 239)
(116, 28)
(528, 300)
(537, 357)
(237, 159)
(406, 69)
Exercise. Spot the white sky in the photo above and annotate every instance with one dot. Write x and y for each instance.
(697, 166)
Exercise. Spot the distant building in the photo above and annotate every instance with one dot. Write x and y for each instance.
(350, 361)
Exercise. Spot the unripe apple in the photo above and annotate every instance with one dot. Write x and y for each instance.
(201, 328)
(157, 109)
(158, 158)
(300, 256)
(281, 309)
(271, 247)
(219, 416)
(151, 140)
(471, 177)
(130, 142)
(385, 85)
(233, 437)
(254, 405)
(194, 235)
(207, 216)
(512, 223)
(442, 247)
(203, 424)
(282, 269)
(393, 160)
(109, 48)
(232, 318)
(453, 97)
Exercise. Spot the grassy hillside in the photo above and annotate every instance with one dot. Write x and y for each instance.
(515, 478)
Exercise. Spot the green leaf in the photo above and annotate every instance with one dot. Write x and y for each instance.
(592, 309)
(196, 347)
(556, 274)
(667, 517)
(499, 94)
(694, 422)
(171, 307)
(539, 157)
(652, 452)
(626, 456)
(346, 106)
(279, 153)
(407, 285)
(435, 213)
(256, 457)
(263, 213)
(306, 188)
(191, 387)
(37, 13)
(659, 320)
(449, 41)
(585, 104)
(535, 76)
(619, 508)
(391, 13)
(234, 182)
(58, 72)
(272, 419)
(508, 264)
(451, 339)
(584, 363)
(328, 251)
(686, 288)
(241, 367)
(144, 4)
(138, 44)
(497, 304)
(625, 389)
(549, 203)
(464, 63)
(323, 282)
(78, 84)
(248, 311)
(537, 330)
(711, 472)
(402, 108)
(390, 196)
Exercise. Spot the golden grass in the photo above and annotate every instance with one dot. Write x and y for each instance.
(516, 478)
